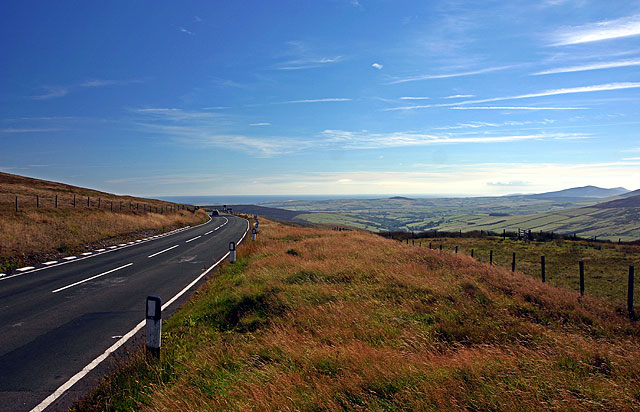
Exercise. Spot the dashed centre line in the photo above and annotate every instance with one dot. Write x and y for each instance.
(91, 278)
(211, 231)
(191, 240)
(166, 250)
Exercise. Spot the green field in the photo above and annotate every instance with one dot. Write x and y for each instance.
(606, 264)
(490, 213)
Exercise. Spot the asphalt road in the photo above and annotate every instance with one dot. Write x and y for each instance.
(60, 318)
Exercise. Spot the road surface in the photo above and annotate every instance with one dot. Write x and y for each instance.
(65, 316)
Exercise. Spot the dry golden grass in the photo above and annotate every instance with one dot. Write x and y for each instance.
(315, 320)
(33, 235)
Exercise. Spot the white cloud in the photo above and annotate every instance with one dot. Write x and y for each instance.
(332, 99)
(593, 66)
(260, 124)
(307, 63)
(455, 179)
(514, 108)
(367, 140)
(174, 114)
(413, 98)
(553, 92)
(448, 75)
(60, 91)
(604, 30)
(25, 130)
(377, 66)
(190, 33)
(52, 92)
(459, 96)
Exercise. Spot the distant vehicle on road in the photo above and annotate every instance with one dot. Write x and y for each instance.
(215, 213)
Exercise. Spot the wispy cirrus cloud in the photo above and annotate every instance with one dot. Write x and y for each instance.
(598, 31)
(459, 96)
(300, 56)
(173, 114)
(552, 92)
(52, 92)
(449, 75)
(592, 66)
(515, 108)
(185, 31)
(330, 99)
(367, 140)
(260, 124)
(28, 130)
(414, 98)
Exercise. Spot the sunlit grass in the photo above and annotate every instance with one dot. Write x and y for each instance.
(314, 320)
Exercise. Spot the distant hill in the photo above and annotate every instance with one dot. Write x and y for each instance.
(585, 192)
(632, 201)
(268, 212)
(400, 198)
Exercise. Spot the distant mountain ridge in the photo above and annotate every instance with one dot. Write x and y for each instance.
(585, 192)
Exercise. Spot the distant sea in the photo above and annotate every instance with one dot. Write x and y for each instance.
(256, 200)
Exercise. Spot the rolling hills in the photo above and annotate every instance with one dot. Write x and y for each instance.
(49, 224)
(587, 211)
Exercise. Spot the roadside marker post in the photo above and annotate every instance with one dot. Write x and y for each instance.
(491, 257)
(581, 264)
(544, 270)
(253, 234)
(630, 292)
(513, 262)
(154, 326)
(232, 252)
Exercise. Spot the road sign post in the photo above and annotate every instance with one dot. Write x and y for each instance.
(232, 252)
(154, 326)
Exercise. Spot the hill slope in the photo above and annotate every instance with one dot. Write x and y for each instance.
(589, 192)
(343, 321)
(42, 230)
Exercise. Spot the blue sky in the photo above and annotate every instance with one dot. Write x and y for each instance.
(322, 97)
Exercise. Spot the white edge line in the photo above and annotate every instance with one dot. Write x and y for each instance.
(166, 250)
(50, 262)
(91, 278)
(93, 254)
(70, 258)
(25, 268)
(75, 378)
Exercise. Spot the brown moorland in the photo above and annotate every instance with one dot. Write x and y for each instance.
(40, 231)
(318, 320)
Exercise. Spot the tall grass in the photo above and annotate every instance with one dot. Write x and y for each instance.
(315, 320)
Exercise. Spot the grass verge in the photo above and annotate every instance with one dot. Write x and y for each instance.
(317, 320)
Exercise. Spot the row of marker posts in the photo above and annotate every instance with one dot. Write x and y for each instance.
(153, 324)
(630, 282)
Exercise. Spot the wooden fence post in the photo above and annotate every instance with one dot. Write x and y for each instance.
(491, 257)
(37, 202)
(456, 250)
(581, 263)
(74, 201)
(16, 203)
(630, 292)
(56, 201)
(471, 252)
(88, 202)
(513, 262)
(542, 267)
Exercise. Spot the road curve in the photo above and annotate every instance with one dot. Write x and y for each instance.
(60, 320)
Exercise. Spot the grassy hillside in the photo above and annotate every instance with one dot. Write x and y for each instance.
(36, 234)
(606, 264)
(314, 320)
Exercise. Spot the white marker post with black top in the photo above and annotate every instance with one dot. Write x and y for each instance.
(232, 252)
(253, 234)
(154, 326)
